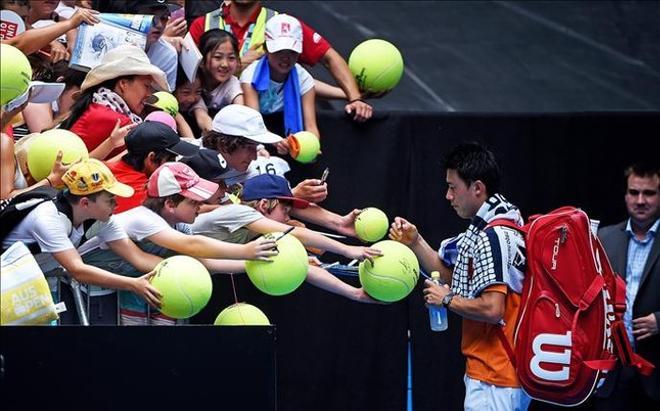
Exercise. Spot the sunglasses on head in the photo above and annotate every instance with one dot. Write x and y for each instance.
(160, 16)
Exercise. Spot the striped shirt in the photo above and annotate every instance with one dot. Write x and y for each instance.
(638, 253)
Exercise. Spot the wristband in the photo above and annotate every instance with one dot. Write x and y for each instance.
(446, 300)
(357, 99)
(50, 183)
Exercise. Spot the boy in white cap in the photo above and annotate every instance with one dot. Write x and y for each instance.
(276, 85)
(236, 135)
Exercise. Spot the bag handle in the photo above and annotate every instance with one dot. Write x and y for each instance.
(628, 357)
(507, 346)
(503, 222)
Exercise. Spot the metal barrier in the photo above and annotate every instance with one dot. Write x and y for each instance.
(82, 300)
(83, 314)
(77, 296)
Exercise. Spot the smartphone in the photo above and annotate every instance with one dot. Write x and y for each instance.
(180, 12)
(324, 177)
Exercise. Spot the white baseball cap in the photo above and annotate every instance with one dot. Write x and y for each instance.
(243, 121)
(284, 32)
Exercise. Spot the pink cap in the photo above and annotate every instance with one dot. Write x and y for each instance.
(162, 117)
(178, 178)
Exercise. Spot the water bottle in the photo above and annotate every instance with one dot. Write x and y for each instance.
(437, 314)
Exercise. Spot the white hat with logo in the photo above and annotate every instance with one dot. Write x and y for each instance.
(284, 32)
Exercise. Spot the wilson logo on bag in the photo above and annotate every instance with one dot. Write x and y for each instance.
(570, 330)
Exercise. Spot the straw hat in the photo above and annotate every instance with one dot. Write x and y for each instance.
(121, 61)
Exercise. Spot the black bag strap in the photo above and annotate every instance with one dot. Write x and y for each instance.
(15, 210)
(65, 208)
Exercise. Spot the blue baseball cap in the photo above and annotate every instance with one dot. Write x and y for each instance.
(270, 186)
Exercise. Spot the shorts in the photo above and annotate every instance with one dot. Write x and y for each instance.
(481, 396)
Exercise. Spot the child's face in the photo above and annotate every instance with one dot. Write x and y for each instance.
(281, 212)
(282, 62)
(186, 211)
(102, 207)
(241, 158)
(188, 94)
(221, 63)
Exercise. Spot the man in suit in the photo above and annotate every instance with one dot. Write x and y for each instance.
(634, 252)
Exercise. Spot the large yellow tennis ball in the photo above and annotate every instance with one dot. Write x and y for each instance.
(185, 285)
(285, 272)
(241, 314)
(304, 146)
(371, 224)
(392, 276)
(377, 65)
(15, 73)
(167, 102)
(43, 148)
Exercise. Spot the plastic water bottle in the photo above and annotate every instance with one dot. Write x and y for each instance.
(437, 314)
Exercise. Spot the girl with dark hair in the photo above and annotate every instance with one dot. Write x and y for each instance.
(111, 100)
(220, 87)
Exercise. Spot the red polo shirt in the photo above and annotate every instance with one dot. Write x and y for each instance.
(124, 173)
(314, 45)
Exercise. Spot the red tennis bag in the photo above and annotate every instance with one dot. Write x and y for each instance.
(570, 328)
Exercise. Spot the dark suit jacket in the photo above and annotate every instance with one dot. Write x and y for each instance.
(615, 240)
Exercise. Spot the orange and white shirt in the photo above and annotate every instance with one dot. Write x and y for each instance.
(486, 358)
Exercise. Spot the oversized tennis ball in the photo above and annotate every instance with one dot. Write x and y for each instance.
(371, 224)
(166, 102)
(15, 73)
(377, 65)
(393, 275)
(185, 285)
(43, 148)
(304, 146)
(285, 272)
(241, 314)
